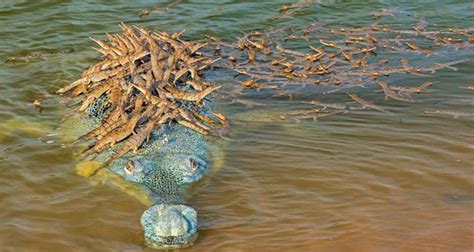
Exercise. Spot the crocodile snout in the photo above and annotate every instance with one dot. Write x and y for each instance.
(167, 225)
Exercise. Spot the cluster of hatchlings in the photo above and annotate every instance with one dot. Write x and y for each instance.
(147, 80)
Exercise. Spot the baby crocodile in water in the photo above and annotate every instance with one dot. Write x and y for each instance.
(366, 104)
(455, 114)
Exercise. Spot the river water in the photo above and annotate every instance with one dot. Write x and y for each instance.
(362, 181)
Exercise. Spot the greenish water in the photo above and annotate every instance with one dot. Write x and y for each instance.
(363, 181)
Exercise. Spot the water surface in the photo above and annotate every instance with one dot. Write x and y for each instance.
(363, 181)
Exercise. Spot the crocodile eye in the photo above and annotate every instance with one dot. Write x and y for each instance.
(193, 164)
(129, 167)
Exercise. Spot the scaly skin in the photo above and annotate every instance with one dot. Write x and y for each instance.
(148, 104)
(166, 223)
(174, 156)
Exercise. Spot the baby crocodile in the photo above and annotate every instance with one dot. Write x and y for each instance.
(366, 104)
(455, 114)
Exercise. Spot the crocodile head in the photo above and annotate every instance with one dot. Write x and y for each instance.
(166, 224)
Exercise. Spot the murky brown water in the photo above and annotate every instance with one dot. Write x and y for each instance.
(363, 181)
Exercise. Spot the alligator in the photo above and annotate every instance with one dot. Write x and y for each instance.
(159, 175)
(145, 113)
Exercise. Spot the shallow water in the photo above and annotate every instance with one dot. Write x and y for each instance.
(364, 181)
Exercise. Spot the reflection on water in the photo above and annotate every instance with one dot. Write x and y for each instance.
(361, 181)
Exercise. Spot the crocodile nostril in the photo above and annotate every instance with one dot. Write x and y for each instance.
(169, 240)
(193, 163)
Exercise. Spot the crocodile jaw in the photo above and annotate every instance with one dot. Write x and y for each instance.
(169, 226)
